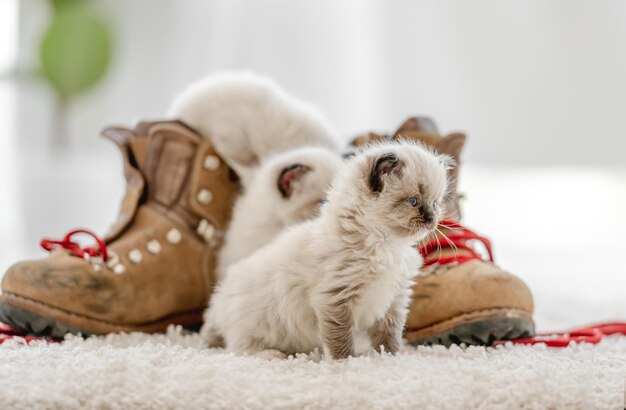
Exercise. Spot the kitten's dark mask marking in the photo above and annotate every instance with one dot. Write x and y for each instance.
(427, 213)
(290, 175)
(386, 164)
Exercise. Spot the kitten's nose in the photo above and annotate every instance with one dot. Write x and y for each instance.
(427, 214)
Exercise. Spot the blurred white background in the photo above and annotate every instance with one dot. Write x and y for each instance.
(538, 85)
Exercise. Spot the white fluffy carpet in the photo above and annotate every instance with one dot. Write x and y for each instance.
(169, 371)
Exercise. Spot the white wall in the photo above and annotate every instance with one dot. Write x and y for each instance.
(533, 82)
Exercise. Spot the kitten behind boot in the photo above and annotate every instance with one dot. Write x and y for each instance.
(348, 272)
(248, 117)
(286, 189)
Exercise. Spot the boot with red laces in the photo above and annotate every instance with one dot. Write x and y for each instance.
(461, 296)
(155, 266)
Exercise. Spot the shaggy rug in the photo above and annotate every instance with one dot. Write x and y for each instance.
(139, 371)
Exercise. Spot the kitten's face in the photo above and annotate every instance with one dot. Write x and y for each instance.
(302, 182)
(406, 190)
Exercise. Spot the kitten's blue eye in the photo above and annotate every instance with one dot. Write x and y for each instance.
(413, 201)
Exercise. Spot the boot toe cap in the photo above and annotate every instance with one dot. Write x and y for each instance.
(473, 288)
(56, 281)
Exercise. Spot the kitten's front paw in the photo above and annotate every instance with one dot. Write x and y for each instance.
(337, 354)
(389, 349)
(271, 354)
(211, 338)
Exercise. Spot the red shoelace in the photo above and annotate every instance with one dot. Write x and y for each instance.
(457, 240)
(590, 334)
(100, 250)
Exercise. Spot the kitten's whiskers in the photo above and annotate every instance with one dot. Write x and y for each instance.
(450, 242)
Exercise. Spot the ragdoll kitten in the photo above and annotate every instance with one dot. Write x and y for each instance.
(286, 189)
(248, 117)
(349, 271)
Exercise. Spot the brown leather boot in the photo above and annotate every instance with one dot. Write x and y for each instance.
(154, 267)
(459, 297)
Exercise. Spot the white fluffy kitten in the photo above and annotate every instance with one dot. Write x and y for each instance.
(345, 273)
(248, 117)
(286, 189)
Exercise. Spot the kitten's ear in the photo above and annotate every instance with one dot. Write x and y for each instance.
(289, 177)
(383, 165)
(447, 161)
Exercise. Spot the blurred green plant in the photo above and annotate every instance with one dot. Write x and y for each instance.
(75, 53)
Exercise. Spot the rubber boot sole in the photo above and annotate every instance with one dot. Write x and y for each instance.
(475, 328)
(40, 319)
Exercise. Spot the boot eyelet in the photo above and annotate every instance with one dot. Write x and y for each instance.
(205, 196)
(119, 269)
(135, 256)
(202, 226)
(173, 236)
(211, 163)
(206, 230)
(154, 247)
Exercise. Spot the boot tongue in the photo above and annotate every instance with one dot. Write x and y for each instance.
(187, 181)
(167, 168)
(171, 169)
